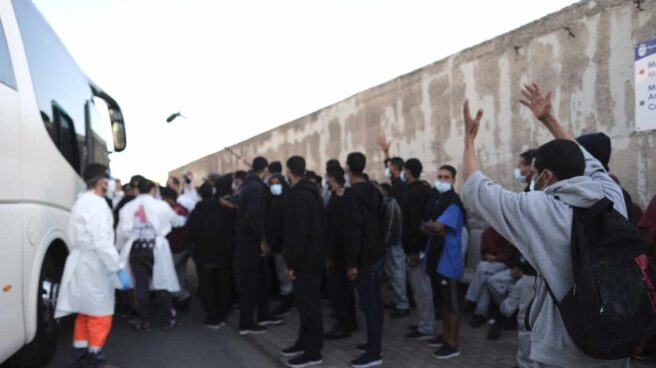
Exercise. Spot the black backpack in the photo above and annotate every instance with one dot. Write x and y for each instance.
(610, 311)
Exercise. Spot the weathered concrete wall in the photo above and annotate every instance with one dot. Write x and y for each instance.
(584, 54)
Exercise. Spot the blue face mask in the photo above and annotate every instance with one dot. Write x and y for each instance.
(403, 176)
(276, 189)
(442, 186)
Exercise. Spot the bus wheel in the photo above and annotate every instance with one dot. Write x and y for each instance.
(41, 350)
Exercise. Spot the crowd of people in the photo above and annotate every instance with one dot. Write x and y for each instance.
(290, 232)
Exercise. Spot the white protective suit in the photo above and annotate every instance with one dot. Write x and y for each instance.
(162, 217)
(89, 276)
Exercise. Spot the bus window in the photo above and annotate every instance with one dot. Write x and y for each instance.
(58, 83)
(99, 131)
(6, 69)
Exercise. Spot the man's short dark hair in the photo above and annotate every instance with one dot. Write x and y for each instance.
(562, 157)
(275, 167)
(332, 162)
(450, 169)
(145, 186)
(337, 173)
(356, 162)
(528, 156)
(94, 172)
(397, 162)
(241, 175)
(168, 193)
(415, 167)
(296, 165)
(206, 191)
(598, 145)
(259, 164)
(176, 181)
(134, 181)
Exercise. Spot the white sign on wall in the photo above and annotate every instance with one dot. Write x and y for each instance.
(645, 85)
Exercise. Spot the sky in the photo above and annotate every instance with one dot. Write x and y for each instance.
(239, 68)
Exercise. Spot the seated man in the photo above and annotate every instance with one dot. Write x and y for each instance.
(496, 253)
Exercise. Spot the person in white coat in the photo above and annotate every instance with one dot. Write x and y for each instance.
(141, 237)
(92, 269)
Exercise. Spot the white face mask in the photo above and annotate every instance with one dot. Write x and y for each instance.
(347, 180)
(234, 186)
(388, 172)
(518, 175)
(402, 175)
(442, 186)
(324, 185)
(276, 189)
(531, 187)
(111, 189)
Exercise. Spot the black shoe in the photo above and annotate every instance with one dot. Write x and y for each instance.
(367, 360)
(416, 335)
(271, 321)
(337, 334)
(94, 360)
(362, 347)
(511, 323)
(305, 360)
(390, 305)
(436, 342)
(171, 325)
(252, 330)
(477, 321)
(77, 358)
(494, 331)
(292, 351)
(446, 352)
(399, 313)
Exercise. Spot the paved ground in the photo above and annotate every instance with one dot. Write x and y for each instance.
(191, 346)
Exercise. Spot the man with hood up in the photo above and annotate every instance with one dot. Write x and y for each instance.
(304, 254)
(539, 223)
(91, 270)
(141, 238)
(211, 230)
(365, 258)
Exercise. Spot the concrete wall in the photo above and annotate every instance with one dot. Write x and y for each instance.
(584, 54)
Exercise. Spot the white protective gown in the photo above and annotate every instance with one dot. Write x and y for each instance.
(89, 276)
(162, 217)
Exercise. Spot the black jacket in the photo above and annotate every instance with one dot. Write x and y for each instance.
(340, 225)
(211, 230)
(252, 207)
(399, 190)
(369, 245)
(414, 211)
(303, 248)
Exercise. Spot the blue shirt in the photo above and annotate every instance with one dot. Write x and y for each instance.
(450, 264)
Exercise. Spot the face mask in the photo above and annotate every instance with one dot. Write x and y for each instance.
(402, 175)
(347, 180)
(533, 186)
(276, 189)
(442, 186)
(111, 189)
(388, 172)
(234, 186)
(325, 186)
(518, 175)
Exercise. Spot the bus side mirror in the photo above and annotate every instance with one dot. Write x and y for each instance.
(118, 129)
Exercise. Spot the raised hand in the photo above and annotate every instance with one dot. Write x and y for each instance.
(471, 124)
(384, 144)
(534, 99)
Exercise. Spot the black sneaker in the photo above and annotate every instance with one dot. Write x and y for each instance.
(494, 331)
(77, 358)
(215, 325)
(416, 335)
(362, 347)
(399, 313)
(368, 360)
(94, 360)
(477, 321)
(337, 333)
(252, 330)
(305, 360)
(271, 321)
(292, 351)
(446, 352)
(437, 342)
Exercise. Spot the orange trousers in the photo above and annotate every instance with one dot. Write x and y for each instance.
(91, 331)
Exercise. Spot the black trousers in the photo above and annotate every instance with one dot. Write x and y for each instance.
(253, 273)
(371, 303)
(341, 292)
(215, 288)
(308, 301)
(142, 261)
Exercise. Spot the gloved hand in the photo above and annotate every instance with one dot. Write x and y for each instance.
(124, 278)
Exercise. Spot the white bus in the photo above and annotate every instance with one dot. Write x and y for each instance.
(53, 121)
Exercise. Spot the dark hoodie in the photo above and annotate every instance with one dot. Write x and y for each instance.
(413, 208)
(340, 226)
(211, 230)
(252, 208)
(275, 215)
(303, 248)
(368, 247)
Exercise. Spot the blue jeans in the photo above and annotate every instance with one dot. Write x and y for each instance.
(371, 303)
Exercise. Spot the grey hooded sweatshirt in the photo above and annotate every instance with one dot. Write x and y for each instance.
(540, 225)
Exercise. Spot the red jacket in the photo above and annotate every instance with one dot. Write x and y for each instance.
(496, 245)
(178, 236)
